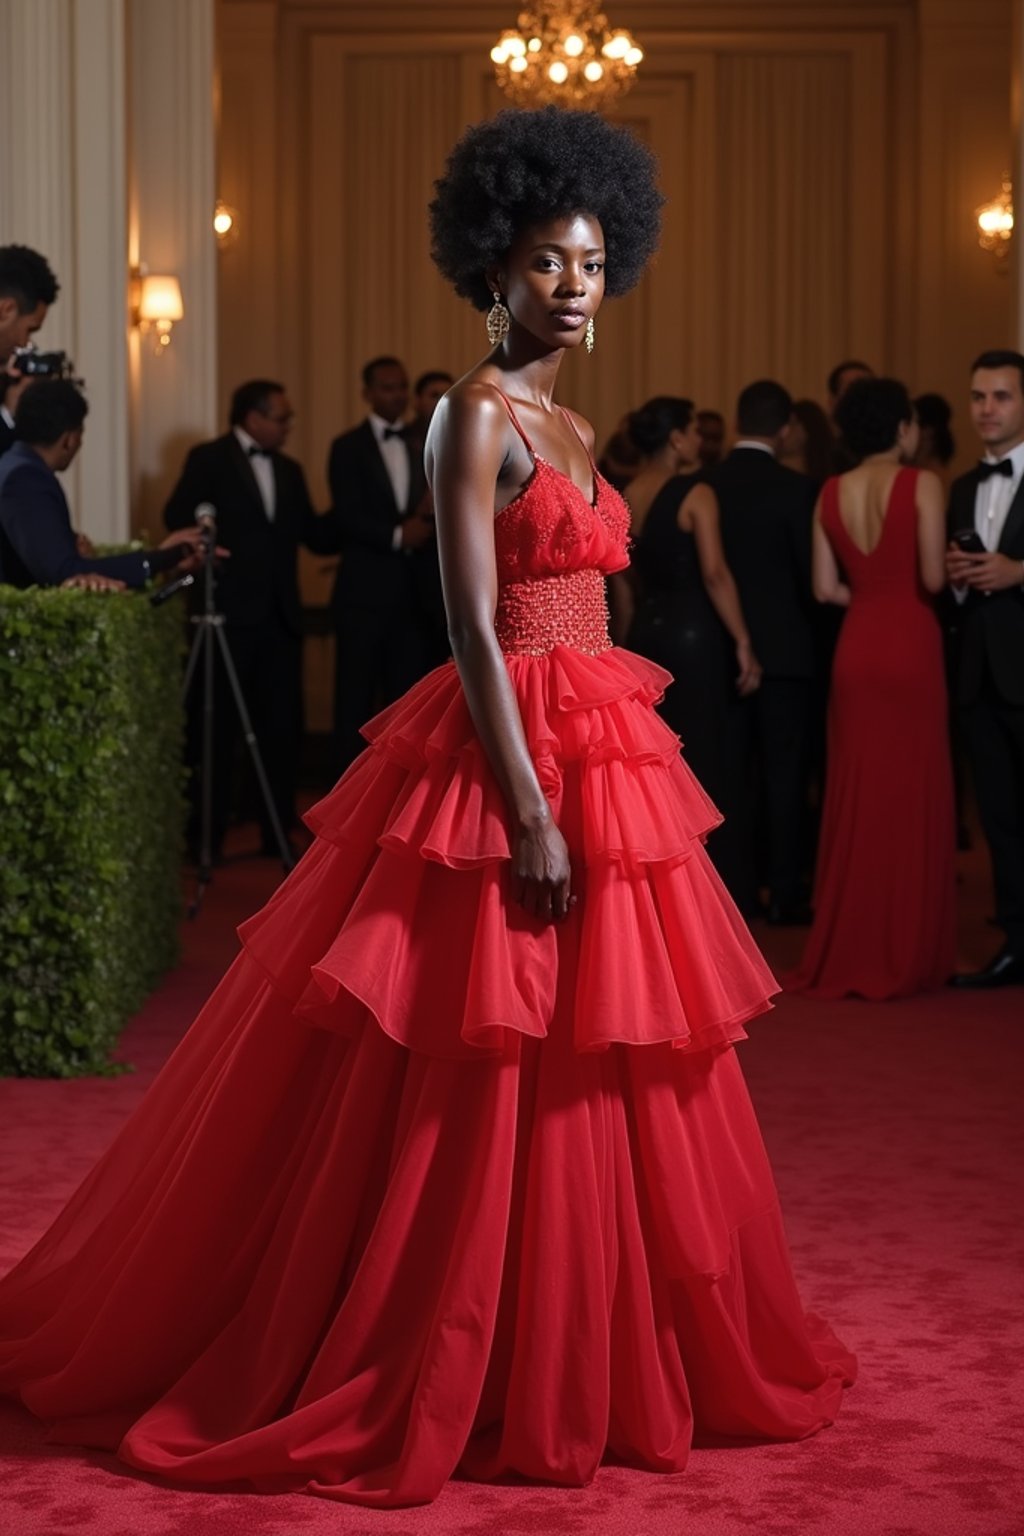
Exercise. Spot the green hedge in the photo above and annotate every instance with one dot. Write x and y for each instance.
(91, 821)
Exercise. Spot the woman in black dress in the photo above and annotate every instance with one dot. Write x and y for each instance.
(688, 616)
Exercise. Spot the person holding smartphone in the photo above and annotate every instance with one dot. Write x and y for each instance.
(985, 566)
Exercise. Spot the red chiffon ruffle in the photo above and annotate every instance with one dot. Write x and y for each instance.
(403, 906)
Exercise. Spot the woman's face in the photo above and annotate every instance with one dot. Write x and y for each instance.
(686, 442)
(553, 279)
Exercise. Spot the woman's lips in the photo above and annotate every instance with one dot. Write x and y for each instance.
(570, 319)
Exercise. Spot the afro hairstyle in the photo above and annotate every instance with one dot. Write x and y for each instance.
(524, 168)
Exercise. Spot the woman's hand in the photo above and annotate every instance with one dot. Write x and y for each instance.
(749, 669)
(541, 876)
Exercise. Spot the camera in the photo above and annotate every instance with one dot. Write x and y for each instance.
(33, 364)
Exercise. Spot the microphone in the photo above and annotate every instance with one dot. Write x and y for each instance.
(162, 594)
(206, 517)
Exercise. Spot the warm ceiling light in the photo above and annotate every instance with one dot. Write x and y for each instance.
(566, 54)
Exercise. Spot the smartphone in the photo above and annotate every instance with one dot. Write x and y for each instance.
(969, 542)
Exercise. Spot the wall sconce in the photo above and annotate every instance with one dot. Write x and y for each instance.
(995, 223)
(158, 306)
(225, 224)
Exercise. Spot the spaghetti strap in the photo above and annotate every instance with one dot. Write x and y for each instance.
(572, 422)
(515, 420)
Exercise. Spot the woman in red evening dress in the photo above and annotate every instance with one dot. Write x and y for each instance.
(884, 917)
(456, 1173)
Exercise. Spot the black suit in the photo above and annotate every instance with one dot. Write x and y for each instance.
(990, 693)
(37, 542)
(380, 649)
(766, 512)
(257, 591)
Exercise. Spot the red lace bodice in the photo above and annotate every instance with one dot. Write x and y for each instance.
(553, 549)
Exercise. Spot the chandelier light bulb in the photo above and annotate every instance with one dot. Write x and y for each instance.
(617, 46)
(573, 45)
(593, 71)
(516, 45)
(518, 65)
(633, 57)
(498, 54)
(558, 72)
(535, 45)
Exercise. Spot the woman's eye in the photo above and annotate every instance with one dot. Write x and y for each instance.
(595, 266)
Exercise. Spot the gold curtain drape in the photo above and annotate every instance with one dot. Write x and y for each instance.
(783, 231)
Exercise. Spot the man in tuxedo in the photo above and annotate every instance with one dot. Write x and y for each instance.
(766, 512)
(38, 546)
(263, 513)
(988, 586)
(27, 289)
(377, 495)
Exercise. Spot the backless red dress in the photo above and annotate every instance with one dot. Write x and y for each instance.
(431, 1188)
(884, 912)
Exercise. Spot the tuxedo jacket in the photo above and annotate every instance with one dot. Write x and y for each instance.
(766, 512)
(37, 542)
(372, 574)
(260, 579)
(991, 629)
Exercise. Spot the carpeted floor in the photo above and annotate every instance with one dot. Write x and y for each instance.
(896, 1135)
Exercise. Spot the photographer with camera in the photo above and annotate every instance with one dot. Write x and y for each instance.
(27, 289)
(38, 546)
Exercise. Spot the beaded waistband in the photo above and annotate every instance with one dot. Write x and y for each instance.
(533, 617)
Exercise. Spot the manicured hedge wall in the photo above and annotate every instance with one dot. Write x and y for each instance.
(91, 820)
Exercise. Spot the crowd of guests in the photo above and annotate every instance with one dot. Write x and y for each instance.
(800, 570)
(815, 592)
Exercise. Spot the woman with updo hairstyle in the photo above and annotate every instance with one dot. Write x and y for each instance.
(456, 1173)
(687, 615)
(884, 919)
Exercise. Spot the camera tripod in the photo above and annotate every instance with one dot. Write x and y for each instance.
(209, 640)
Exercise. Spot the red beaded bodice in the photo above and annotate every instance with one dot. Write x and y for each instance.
(554, 548)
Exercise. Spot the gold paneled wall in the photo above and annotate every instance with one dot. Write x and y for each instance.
(821, 164)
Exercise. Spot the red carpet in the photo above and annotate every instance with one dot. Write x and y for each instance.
(896, 1135)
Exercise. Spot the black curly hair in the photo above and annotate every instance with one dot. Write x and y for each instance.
(524, 168)
(869, 415)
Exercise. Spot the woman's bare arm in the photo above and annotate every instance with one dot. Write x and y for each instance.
(825, 578)
(466, 449)
(699, 511)
(931, 531)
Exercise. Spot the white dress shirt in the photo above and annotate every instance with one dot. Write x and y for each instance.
(750, 442)
(7, 417)
(395, 453)
(262, 466)
(994, 498)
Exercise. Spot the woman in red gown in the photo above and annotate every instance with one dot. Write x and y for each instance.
(884, 917)
(456, 1173)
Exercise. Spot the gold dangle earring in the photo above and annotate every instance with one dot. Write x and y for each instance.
(588, 335)
(497, 321)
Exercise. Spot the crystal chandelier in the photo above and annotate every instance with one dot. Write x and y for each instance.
(566, 54)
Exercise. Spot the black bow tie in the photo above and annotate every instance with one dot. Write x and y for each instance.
(255, 452)
(392, 432)
(1003, 467)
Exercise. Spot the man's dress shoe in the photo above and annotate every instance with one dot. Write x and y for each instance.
(1006, 970)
